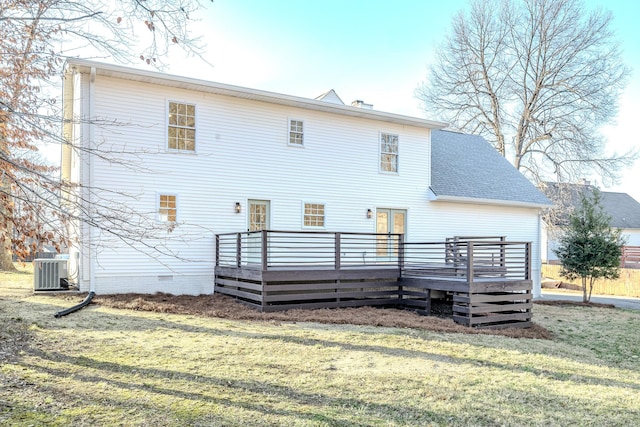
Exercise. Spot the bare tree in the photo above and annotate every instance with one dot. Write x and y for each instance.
(537, 78)
(36, 36)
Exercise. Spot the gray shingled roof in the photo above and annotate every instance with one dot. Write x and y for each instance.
(468, 167)
(623, 209)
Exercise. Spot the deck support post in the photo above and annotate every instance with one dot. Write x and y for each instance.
(238, 250)
(217, 250)
(470, 262)
(401, 267)
(528, 261)
(337, 254)
(264, 247)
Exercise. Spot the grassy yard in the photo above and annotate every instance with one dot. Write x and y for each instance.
(112, 367)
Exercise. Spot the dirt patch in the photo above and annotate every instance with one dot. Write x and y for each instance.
(221, 306)
(559, 284)
(575, 303)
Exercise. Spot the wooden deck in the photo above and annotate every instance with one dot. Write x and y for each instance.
(488, 278)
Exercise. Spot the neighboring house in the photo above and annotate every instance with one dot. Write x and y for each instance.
(623, 209)
(217, 158)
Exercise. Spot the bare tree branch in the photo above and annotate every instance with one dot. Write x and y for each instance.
(538, 79)
(37, 207)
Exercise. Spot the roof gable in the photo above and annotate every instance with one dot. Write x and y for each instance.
(467, 168)
(330, 96)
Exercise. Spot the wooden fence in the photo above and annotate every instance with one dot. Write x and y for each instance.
(628, 284)
(630, 257)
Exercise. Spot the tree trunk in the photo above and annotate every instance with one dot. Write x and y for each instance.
(585, 297)
(6, 252)
(6, 257)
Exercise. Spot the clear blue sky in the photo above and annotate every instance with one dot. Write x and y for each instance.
(376, 51)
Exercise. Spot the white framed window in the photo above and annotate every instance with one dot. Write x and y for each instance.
(296, 132)
(388, 152)
(181, 127)
(167, 207)
(313, 215)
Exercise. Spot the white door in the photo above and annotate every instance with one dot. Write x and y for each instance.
(390, 221)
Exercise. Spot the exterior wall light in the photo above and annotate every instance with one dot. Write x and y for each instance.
(238, 207)
(369, 213)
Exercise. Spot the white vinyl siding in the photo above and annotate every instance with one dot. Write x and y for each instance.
(243, 162)
(181, 130)
(242, 156)
(296, 132)
(388, 152)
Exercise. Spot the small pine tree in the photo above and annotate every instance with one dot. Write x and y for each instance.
(590, 248)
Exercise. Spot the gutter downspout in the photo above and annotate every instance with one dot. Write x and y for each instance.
(92, 251)
(537, 291)
(90, 247)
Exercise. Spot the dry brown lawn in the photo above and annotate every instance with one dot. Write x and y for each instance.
(217, 362)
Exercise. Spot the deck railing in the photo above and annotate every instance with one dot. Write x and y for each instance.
(459, 257)
(479, 258)
(271, 249)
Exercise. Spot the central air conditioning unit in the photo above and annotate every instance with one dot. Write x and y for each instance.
(50, 274)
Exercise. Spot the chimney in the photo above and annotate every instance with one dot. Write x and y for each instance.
(361, 104)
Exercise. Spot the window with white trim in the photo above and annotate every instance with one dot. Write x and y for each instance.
(388, 152)
(167, 207)
(313, 215)
(296, 132)
(181, 132)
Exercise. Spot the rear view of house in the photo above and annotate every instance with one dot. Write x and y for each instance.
(180, 160)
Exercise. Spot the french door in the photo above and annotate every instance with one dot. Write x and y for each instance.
(390, 221)
(258, 219)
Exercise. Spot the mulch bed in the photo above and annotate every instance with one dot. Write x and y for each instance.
(221, 306)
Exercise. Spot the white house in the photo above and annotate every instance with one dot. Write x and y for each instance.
(623, 209)
(196, 158)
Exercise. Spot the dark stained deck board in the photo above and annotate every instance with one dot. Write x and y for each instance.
(240, 294)
(478, 287)
(234, 283)
(488, 321)
(491, 308)
(312, 287)
(324, 275)
(485, 302)
(276, 299)
(479, 298)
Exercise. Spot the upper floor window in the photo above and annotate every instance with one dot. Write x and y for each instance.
(168, 208)
(182, 126)
(313, 215)
(296, 133)
(388, 152)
